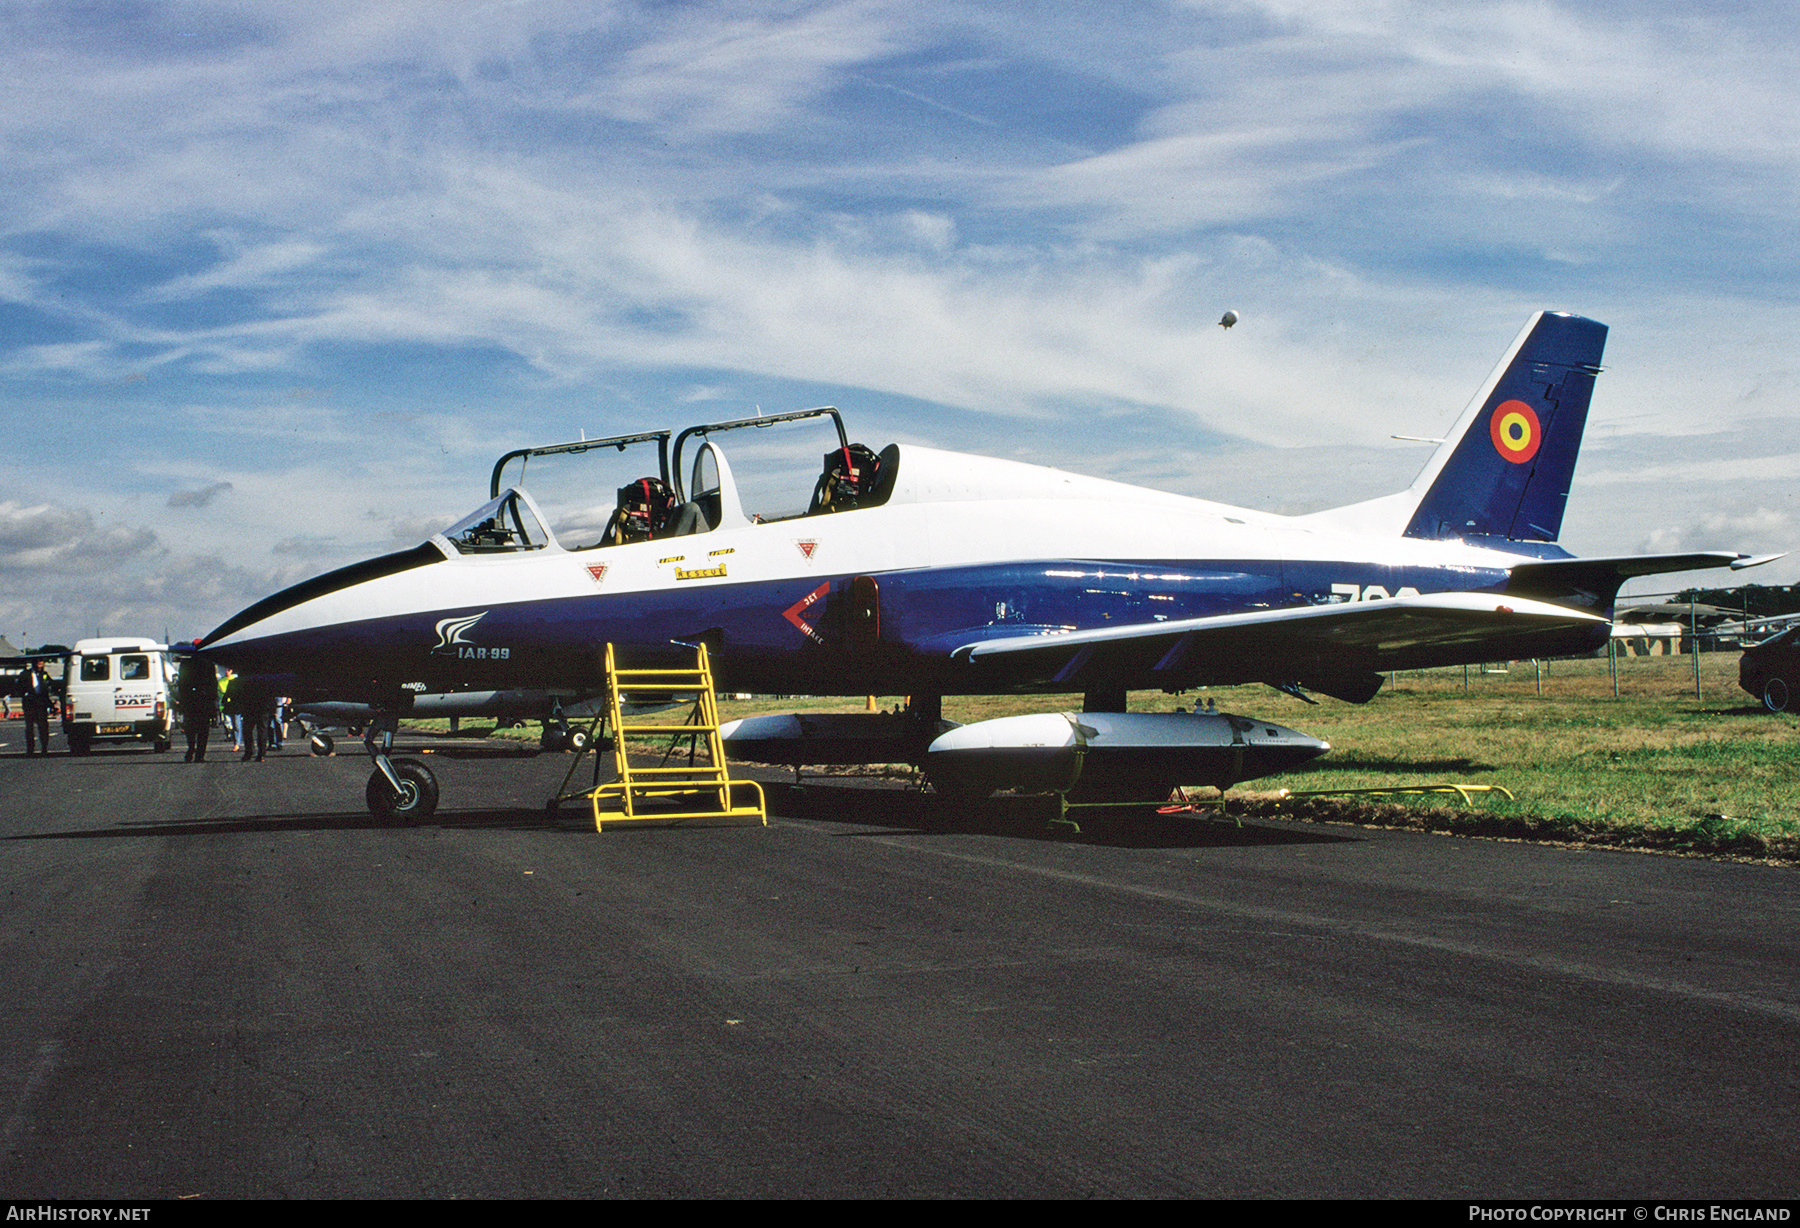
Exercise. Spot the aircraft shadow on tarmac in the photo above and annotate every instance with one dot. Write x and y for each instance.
(1029, 818)
(879, 810)
(269, 824)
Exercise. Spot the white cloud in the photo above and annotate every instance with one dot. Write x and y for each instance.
(48, 538)
(738, 69)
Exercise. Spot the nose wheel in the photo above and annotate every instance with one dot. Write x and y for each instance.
(401, 789)
(416, 798)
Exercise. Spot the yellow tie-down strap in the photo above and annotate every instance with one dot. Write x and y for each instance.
(726, 808)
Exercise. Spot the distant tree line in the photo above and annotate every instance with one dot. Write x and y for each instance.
(1755, 600)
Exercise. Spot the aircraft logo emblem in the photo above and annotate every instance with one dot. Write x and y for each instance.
(450, 631)
(1515, 431)
(807, 547)
(597, 572)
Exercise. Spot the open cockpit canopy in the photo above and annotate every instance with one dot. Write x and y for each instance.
(692, 491)
(502, 525)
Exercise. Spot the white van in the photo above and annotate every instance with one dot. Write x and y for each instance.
(118, 690)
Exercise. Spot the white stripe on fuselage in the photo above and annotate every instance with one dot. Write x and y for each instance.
(947, 509)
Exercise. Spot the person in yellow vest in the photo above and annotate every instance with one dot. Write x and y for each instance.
(229, 703)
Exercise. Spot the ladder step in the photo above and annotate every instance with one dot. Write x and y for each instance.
(694, 780)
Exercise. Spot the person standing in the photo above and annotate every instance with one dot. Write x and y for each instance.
(37, 710)
(229, 688)
(197, 698)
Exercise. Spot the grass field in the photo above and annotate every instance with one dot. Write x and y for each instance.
(1653, 768)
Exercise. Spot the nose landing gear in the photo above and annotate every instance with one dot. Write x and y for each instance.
(401, 789)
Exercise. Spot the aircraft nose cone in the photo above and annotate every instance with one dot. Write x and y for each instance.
(249, 618)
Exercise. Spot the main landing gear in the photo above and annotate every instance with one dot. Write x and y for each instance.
(559, 735)
(402, 789)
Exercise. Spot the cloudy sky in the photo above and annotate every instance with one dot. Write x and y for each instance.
(279, 282)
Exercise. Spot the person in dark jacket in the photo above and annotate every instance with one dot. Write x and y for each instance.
(37, 710)
(197, 699)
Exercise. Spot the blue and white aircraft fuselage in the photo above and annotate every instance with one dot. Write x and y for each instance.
(943, 573)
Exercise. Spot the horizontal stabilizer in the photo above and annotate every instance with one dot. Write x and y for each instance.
(1324, 647)
(1593, 584)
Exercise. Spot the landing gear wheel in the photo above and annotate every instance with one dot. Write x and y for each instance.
(322, 744)
(419, 792)
(1775, 695)
(578, 740)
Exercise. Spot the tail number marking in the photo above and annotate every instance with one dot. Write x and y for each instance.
(1368, 592)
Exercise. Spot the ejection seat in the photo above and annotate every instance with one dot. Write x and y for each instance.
(854, 476)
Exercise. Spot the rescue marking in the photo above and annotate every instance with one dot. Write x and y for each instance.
(597, 572)
(807, 547)
(699, 573)
(1515, 431)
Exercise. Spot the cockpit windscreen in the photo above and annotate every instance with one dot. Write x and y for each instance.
(500, 526)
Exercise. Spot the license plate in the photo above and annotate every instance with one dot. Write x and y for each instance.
(111, 729)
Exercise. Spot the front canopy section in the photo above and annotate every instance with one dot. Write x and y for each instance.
(508, 524)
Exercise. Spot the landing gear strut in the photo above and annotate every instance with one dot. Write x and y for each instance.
(398, 788)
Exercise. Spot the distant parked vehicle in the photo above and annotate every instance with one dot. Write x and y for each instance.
(1771, 670)
(118, 690)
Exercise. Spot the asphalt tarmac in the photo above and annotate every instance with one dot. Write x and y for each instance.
(225, 980)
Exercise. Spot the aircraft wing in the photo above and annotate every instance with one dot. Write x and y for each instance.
(1338, 649)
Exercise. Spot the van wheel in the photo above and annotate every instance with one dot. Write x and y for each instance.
(418, 798)
(161, 745)
(1775, 695)
(78, 745)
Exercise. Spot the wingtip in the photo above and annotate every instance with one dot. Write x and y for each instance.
(1744, 561)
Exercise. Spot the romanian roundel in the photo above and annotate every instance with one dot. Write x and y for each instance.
(1515, 431)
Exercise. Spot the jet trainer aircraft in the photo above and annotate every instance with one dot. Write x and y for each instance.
(927, 573)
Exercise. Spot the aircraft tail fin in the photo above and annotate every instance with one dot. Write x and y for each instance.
(1505, 470)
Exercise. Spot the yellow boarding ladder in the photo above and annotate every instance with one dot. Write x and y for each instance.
(705, 789)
